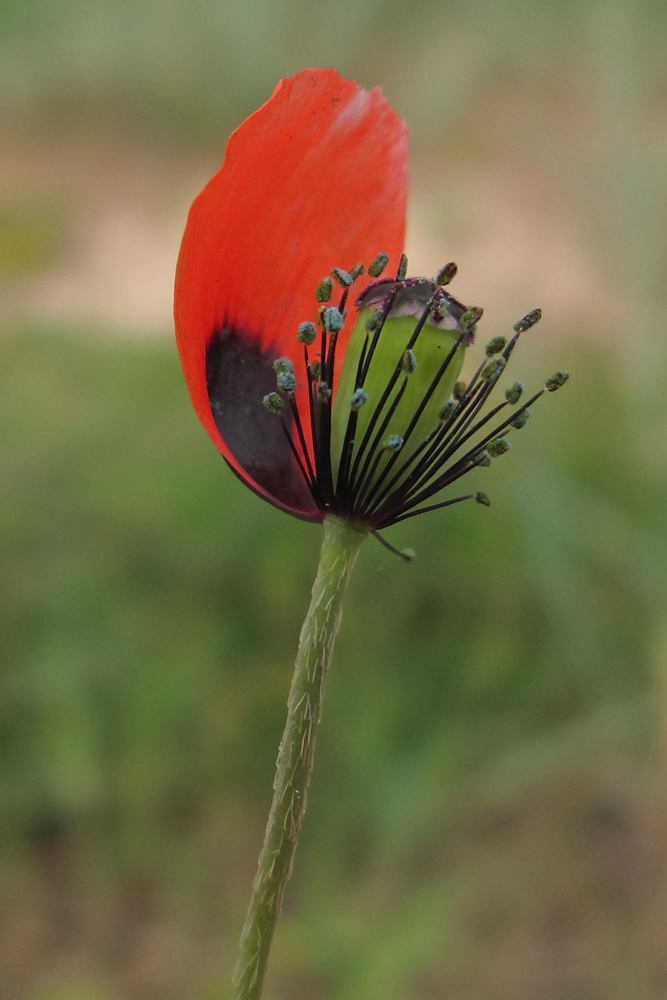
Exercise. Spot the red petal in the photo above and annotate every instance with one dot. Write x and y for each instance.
(315, 178)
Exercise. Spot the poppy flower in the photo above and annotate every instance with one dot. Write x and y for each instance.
(315, 410)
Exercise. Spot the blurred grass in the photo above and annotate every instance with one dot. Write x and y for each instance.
(150, 612)
(487, 818)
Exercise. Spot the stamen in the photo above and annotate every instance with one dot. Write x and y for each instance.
(556, 380)
(409, 362)
(273, 402)
(520, 420)
(530, 320)
(407, 555)
(498, 447)
(495, 346)
(307, 333)
(515, 392)
(446, 274)
(324, 290)
(402, 268)
(343, 278)
(286, 381)
(358, 398)
(378, 265)
(282, 366)
(334, 320)
(437, 506)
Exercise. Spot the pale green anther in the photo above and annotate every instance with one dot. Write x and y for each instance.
(315, 370)
(446, 274)
(520, 420)
(530, 320)
(493, 368)
(483, 499)
(344, 279)
(393, 443)
(282, 365)
(323, 392)
(378, 265)
(471, 318)
(409, 362)
(273, 402)
(324, 290)
(515, 392)
(372, 322)
(485, 461)
(286, 382)
(409, 555)
(556, 380)
(495, 346)
(334, 320)
(432, 346)
(357, 271)
(447, 409)
(307, 333)
(459, 390)
(358, 398)
(498, 447)
(402, 268)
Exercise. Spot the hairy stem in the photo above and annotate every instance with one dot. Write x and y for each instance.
(295, 756)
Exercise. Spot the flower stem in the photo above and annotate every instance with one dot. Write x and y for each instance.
(295, 756)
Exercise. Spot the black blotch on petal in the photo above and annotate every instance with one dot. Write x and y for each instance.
(239, 373)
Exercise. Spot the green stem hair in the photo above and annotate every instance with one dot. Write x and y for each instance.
(295, 757)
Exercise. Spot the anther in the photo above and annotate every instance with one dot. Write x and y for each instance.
(495, 346)
(307, 333)
(402, 268)
(471, 318)
(323, 392)
(498, 447)
(446, 274)
(378, 265)
(520, 420)
(393, 443)
(459, 390)
(315, 370)
(358, 398)
(357, 271)
(333, 320)
(282, 365)
(556, 380)
(515, 392)
(483, 499)
(273, 402)
(530, 320)
(485, 461)
(493, 369)
(372, 322)
(409, 362)
(324, 290)
(286, 381)
(343, 278)
(447, 409)
(408, 555)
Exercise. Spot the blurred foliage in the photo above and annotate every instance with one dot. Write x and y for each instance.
(487, 819)
(150, 609)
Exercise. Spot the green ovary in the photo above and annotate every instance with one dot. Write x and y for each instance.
(430, 350)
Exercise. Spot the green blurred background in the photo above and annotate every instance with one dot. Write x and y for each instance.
(488, 818)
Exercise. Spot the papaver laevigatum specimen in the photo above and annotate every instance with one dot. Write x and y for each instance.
(331, 389)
